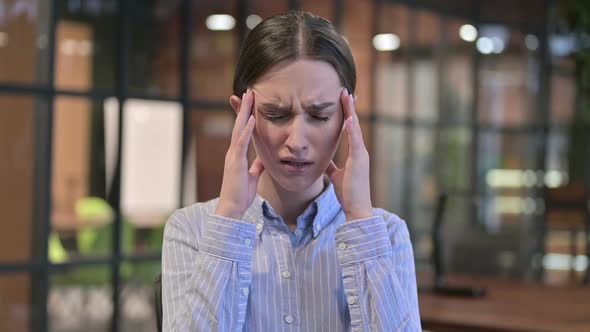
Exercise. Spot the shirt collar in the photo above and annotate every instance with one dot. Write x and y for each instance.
(321, 210)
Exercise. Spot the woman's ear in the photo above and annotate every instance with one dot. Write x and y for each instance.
(235, 103)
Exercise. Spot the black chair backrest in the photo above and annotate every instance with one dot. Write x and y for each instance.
(437, 239)
(158, 301)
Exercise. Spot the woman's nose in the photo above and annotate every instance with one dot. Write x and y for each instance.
(297, 138)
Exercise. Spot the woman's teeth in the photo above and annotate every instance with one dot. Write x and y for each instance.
(294, 163)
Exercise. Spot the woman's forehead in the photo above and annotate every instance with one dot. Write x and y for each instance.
(308, 80)
(300, 74)
(283, 95)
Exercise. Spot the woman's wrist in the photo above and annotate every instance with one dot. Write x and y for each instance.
(356, 215)
(223, 211)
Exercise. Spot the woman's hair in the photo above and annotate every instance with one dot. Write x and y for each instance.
(289, 37)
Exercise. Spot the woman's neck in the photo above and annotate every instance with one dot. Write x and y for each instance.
(288, 204)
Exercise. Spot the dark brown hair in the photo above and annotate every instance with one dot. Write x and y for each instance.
(292, 36)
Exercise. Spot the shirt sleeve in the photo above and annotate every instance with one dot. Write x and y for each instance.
(378, 274)
(206, 279)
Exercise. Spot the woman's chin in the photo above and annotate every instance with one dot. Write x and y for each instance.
(295, 183)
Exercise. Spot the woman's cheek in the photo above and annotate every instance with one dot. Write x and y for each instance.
(261, 139)
(337, 132)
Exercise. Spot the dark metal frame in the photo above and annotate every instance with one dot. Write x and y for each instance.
(41, 268)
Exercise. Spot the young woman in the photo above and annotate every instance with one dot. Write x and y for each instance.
(293, 242)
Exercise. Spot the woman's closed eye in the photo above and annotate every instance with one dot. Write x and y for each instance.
(320, 118)
(275, 116)
(281, 117)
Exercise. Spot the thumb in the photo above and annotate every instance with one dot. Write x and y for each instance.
(256, 169)
(331, 170)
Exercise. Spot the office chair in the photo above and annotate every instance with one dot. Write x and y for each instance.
(441, 286)
(158, 300)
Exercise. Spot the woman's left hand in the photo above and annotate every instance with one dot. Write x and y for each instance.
(351, 183)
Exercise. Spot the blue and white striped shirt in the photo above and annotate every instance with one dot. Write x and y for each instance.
(222, 274)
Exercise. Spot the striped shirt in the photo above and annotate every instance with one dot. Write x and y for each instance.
(254, 274)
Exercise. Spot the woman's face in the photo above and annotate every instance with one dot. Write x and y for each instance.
(298, 121)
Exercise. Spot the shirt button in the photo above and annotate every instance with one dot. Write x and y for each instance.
(286, 274)
(342, 246)
(289, 319)
(351, 299)
(298, 232)
(258, 227)
(245, 291)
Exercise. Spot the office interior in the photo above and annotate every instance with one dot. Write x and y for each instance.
(476, 114)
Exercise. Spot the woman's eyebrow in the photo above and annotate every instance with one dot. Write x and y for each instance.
(309, 107)
(276, 107)
(318, 106)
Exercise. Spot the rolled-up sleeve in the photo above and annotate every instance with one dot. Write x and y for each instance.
(378, 274)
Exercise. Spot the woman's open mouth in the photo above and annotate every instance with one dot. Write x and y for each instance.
(293, 166)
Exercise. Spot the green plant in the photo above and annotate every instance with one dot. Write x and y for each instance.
(93, 241)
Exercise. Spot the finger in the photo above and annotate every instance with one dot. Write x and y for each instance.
(246, 135)
(246, 107)
(348, 104)
(355, 139)
(257, 168)
(237, 123)
(344, 101)
(353, 127)
(243, 114)
(331, 169)
(356, 143)
(345, 108)
(255, 171)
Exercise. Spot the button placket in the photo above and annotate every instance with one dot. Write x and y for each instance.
(245, 279)
(245, 291)
(351, 300)
(285, 273)
(289, 319)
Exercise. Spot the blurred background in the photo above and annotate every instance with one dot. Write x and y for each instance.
(115, 113)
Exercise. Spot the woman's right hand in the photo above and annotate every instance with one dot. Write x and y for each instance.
(238, 188)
